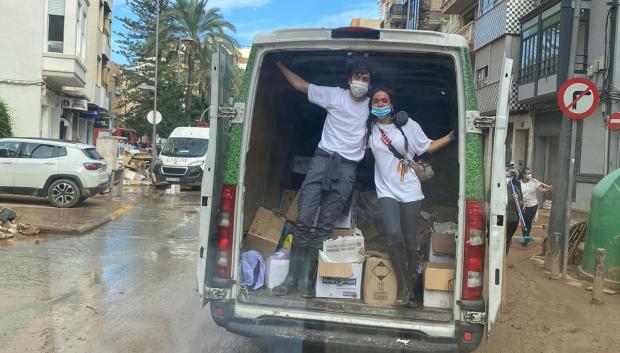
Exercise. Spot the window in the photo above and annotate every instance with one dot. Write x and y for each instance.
(550, 40)
(8, 149)
(481, 76)
(37, 150)
(80, 43)
(529, 50)
(581, 54)
(61, 151)
(485, 6)
(56, 26)
(92, 153)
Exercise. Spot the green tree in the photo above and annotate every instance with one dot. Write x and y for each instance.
(6, 124)
(207, 29)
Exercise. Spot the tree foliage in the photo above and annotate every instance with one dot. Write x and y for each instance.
(181, 87)
(6, 123)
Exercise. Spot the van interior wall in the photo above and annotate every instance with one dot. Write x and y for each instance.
(285, 124)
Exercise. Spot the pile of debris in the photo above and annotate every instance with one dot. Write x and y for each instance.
(136, 169)
(9, 227)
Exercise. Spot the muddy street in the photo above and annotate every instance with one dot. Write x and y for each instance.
(125, 287)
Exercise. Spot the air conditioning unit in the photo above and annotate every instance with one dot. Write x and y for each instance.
(118, 91)
(55, 46)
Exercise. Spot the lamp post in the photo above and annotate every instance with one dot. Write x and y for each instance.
(153, 144)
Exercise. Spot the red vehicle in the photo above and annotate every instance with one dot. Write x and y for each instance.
(128, 134)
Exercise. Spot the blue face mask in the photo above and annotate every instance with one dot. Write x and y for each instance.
(381, 113)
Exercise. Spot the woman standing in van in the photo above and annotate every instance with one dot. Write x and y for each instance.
(398, 188)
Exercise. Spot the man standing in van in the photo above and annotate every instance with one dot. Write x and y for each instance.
(332, 171)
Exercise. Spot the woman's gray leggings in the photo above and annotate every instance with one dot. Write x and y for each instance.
(392, 211)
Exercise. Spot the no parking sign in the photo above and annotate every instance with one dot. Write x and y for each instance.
(578, 98)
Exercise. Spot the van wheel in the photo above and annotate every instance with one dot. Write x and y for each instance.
(63, 193)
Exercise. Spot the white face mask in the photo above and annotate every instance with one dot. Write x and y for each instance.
(358, 88)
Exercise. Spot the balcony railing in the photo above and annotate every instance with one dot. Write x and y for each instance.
(397, 12)
(467, 31)
(456, 7)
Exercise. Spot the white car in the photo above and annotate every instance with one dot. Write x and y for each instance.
(67, 173)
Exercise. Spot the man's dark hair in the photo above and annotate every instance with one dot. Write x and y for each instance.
(361, 68)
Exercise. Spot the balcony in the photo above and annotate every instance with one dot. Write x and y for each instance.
(63, 70)
(397, 13)
(467, 32)
(103, 44)
(102, 99)
(456, 7)
(430, 15)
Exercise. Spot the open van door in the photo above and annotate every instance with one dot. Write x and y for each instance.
(497, 217)
(221, 98)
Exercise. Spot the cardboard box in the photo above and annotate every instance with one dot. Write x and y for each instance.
(439, 276)
(339, 280)
(275, 272)
(380, 283)
(292, 211)
(265, 231)
(437, 298)
(345, 249)
(443, 244)
(288, 196)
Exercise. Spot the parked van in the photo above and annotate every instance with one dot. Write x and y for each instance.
(182, 159)
(254, 154)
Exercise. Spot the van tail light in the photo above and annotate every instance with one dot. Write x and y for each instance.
(356, 32)
(473, 253)
(92, 166)
(225, 231)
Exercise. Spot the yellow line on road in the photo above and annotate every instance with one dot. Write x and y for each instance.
(121, 211)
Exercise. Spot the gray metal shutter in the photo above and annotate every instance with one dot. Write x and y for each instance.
(56, 7)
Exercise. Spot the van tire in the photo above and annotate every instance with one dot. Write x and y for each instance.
(64, 193)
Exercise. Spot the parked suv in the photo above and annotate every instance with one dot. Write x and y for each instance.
(67, 173)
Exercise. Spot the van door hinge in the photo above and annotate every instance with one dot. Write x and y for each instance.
(485, 122)
(214, 293)
(234, 114)
(470, 118)
(475, 317)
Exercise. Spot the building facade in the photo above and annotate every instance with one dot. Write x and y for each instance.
(54, 76)
(597, 149)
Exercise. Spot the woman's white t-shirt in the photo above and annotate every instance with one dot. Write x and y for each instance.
(387, 176)
(530, 198)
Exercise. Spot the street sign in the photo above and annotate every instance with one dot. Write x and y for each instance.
(157, 115)
(578, 98)
(614, 122)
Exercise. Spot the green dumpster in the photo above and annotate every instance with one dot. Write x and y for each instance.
(604, 229)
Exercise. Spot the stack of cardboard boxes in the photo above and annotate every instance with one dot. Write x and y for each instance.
(439, 271)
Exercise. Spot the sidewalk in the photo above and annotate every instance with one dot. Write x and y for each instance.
(81, 219)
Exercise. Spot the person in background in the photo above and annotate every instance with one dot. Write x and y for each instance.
(398, 188)
(530, 188)
(515, 196)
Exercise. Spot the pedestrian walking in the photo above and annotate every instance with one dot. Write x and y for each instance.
(530, 188)
(514, 207)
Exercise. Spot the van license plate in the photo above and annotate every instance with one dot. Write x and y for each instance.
(173, 179)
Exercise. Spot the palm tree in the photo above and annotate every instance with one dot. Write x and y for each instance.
(207, 29)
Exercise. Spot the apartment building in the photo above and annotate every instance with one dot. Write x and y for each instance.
(597, 148)
(54, 72)
(411, 14)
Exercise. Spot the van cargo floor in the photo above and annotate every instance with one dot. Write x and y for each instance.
(348, 306)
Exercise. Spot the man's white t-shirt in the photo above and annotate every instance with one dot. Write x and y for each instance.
(530, 198)
(345, 125)
(387, 176)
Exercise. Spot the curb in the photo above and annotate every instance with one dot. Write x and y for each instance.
(116, 214)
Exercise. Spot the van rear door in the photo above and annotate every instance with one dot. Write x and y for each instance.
(219, 125)
(498, 200)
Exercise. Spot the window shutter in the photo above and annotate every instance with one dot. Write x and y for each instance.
(56, 7)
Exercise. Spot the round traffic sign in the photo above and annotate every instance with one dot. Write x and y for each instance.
(156, 116)
(614, 122)
(578, 98)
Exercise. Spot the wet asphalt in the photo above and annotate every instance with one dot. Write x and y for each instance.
(128, 286)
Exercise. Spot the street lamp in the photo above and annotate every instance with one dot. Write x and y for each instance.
(153, 144)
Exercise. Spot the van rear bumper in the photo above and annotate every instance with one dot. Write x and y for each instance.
(287, 332)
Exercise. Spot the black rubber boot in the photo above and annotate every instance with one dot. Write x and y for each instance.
(295, 264)
(308, 273)
(413, 275)
(398, 257)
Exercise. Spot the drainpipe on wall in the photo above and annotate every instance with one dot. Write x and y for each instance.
(614, 104)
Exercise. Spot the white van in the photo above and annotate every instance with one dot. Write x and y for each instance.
(182, 159)
(250, 164)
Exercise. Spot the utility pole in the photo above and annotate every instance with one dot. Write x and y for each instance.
(154, 137)
(561, 198)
